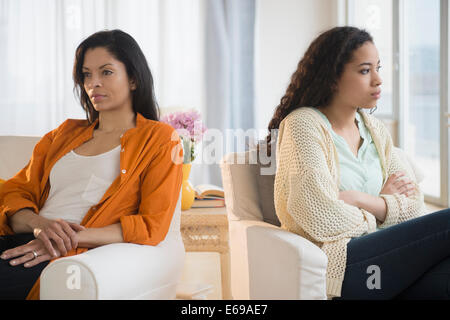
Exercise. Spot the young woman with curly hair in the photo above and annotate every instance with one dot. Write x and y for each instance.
(341, 183)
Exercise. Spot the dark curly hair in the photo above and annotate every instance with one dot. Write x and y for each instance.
(315, 81)
(125, 49)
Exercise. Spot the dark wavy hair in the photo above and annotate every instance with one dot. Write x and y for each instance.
(314, 82)
(125, 49)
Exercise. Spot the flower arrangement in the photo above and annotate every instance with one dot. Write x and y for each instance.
(190, 128)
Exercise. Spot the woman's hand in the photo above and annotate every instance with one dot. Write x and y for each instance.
(398, 183)
(63, 234)
(26, 256)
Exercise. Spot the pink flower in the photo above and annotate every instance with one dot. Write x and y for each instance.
(190, 127)
(188, 124)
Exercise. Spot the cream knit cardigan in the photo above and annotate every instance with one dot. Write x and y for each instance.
(306, 189)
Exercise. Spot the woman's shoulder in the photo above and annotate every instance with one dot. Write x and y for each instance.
(159, 132)
(304, 118)
(68, 126)
(302, 113)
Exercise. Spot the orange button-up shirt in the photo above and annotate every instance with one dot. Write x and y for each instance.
(142, 198)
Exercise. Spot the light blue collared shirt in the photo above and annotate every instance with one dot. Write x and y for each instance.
(362, 173)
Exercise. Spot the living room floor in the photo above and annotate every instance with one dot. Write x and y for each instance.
(204, 267)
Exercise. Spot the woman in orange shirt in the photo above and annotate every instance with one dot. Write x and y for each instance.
(115, 177)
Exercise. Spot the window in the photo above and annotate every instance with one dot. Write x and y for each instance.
(407, 34)
(375, 16)
(421, 57)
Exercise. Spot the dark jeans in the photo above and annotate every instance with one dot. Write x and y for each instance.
(410, 260)
(17, 281)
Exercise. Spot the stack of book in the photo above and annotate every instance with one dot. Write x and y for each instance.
(208, 196)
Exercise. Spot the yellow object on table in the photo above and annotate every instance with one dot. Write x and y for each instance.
(187, 189)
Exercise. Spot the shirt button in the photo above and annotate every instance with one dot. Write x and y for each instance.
(94, 208)
(122, 150)
(124, 171)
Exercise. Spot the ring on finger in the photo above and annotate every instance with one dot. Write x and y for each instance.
(35, 254)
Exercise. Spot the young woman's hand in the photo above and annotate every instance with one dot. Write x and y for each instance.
(57, 233)
(25, 255)
(398, 183)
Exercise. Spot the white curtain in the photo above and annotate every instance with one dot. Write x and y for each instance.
(37, 49)
(229, 48)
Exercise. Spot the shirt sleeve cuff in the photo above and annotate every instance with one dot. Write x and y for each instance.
(135, 230)
(7, 211)
(392, 211)
(15, 204)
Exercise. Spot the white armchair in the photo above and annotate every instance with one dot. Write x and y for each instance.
(268, 262)
(115, 271)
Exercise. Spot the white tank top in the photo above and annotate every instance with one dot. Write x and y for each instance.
(79, 182)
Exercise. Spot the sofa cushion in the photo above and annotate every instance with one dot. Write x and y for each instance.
(241, 187)
(15, 153)
(265, 176)
(248, 180)
(266, 198)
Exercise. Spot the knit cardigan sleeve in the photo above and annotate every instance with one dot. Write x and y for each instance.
(399, 207)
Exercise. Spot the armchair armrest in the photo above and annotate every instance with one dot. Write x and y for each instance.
(116, 271)
(281, 264)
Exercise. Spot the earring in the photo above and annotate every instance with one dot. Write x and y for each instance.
(373, 110)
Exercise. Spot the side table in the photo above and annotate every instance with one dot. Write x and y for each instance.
(206, 230)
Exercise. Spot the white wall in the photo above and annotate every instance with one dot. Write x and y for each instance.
(284, 30)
